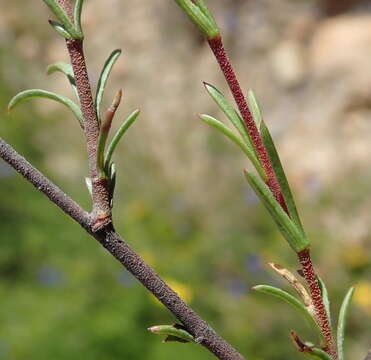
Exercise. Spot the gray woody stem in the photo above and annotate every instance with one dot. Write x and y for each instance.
(108, 238)
(98, 224)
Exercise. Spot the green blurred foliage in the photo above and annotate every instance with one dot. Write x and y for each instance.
(63, 297)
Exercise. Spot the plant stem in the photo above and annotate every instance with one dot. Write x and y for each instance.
(315, 292)
(101, 213)
(194, 324)
(217, 47)
(221, 56)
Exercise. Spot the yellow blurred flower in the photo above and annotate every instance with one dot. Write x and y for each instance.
(362, 296)
(184, 292)
(355, 257)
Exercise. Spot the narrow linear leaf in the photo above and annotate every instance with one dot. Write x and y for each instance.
(35, 93)
(60, 29)
(325, 298)
(278, 169)
(288, 228)
(77, 14)
(119, 134)
(62, 67)
(296, 284)
(319, 354)
(309, 349)
(112, 182)
(103, 134)
(107, 67)
(199, 18)
(254, 108)
(202, 5)
(230, 112)
(61, 15)
(288, 298)
(173, 331)
(342, 322)
(234, 138)
(65, 69)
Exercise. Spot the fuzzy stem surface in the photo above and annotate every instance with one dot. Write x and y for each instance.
(101, 213)
(101, 203)
(221, 56)
(315, 292)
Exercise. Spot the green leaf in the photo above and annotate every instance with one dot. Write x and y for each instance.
(119, 134)
(237, 122)
(234, 138)
(103, 134)
(342, 322)
(288, 228)
(199, 15)
(112, 182)
(278, 169)
(89, 185)
(317, 353)
(107, 67)
(325, 298)
(254, 108)
(61, 15)
(60, 29)
(202, 5)
(230, 112)
(288, 298)
(34, 93)
(77, 14)
(308, 348)
(296, 285)
(173, 331)
(65, 69)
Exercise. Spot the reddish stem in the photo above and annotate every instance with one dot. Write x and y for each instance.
(315, 292)
(217, 47)
(101, 214)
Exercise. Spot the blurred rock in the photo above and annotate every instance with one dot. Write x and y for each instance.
(341, 47)
(288, 63)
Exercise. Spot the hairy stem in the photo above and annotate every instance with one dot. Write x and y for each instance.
(315, 292)
(217, 47)
(221, 56)
(101, 213)
(202, 332)
(100, 194)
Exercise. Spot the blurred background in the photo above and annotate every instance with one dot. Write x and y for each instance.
(181, 199)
